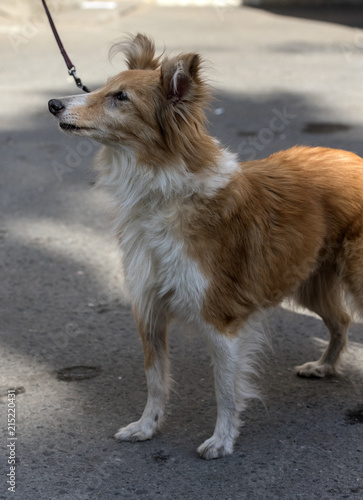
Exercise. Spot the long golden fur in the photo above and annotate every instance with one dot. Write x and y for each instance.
(213, 241)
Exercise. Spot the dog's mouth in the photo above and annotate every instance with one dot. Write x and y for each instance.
(69, 127)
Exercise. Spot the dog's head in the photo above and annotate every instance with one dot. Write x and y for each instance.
(155, 107)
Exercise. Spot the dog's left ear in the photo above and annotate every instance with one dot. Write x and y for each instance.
(180, 78)
(180, 112)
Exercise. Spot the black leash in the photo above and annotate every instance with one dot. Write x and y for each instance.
(70, 66)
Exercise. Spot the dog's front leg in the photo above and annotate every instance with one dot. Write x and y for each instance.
(158, 381)
(234, 360)
(225, 365)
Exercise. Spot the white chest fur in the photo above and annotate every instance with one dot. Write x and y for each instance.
(148, 206)
(158, 271)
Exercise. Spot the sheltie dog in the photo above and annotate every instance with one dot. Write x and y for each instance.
(212, 241)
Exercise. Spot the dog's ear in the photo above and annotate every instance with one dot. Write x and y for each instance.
(180, 113)
(180, 78)
(139, 51)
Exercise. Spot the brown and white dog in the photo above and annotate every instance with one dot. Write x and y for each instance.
(210, 240)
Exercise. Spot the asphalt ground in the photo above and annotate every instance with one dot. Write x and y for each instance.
(69, 346)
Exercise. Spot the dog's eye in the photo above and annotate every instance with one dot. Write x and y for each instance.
(122, 96)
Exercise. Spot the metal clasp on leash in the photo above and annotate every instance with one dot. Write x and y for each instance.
(78, 81)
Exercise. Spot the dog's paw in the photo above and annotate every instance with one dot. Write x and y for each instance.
(314, 369)
(136, 431)
(215, 447)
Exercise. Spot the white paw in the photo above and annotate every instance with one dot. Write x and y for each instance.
(314, 369)
(215, 447)
(136, 431)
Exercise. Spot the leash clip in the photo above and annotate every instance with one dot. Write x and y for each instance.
(72, 72)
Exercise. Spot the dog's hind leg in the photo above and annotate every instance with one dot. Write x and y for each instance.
(154, 340)
(323, 294)
(352, 267)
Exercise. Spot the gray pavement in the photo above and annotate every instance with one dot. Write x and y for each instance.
(62, 300)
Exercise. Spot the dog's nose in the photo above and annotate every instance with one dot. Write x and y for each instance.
(55, 106)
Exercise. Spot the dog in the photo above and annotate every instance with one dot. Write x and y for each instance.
(212, 241)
